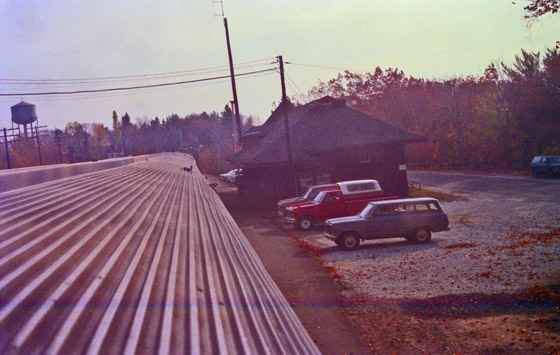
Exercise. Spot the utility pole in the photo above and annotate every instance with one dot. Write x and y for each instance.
(458, 137)
(287, 125)
(7, 150)
(38, 145)
(233, 129)
(233, 87)
(59, 145)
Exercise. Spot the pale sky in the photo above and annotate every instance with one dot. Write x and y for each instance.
(58, 39)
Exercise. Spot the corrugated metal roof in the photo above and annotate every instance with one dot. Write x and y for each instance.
(137, 259)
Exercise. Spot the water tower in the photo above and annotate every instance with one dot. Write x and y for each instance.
(24, 114)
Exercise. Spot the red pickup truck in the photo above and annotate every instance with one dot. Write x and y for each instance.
(330, 204)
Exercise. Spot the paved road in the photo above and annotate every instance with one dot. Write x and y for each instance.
(525, 188)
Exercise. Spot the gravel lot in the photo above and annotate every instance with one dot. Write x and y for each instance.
(499, 243)
(491, 285)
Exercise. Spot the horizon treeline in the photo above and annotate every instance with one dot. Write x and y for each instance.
(500, 119)
(208, 135)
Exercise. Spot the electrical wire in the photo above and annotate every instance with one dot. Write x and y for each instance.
(132, 87)
(137, 92)
(28, 85)
(15, 87)
(292, 84)
(325, 67)
(127, 77)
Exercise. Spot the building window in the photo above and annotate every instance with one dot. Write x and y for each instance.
(363, 155)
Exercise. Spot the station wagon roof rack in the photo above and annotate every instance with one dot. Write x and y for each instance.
(405, 200)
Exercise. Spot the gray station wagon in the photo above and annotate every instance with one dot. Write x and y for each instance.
(413, 218)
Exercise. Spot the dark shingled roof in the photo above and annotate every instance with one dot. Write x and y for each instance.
(320, 126)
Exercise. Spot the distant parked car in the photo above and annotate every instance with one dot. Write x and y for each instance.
(548, 165)
(413, 218)
(231, 176)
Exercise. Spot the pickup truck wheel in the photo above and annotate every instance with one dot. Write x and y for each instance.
(305, 223)
(535, 173)
(422, 235)
(349, 241)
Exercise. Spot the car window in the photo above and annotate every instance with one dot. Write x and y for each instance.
(330, 199)
(367, 186)
(432, 206)
(426, 207)
(383, 209)
(399, 208)
(319, 197)
(368, 210)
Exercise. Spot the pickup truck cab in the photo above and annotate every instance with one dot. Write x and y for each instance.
(310, 195)
(414, 219)
(350, 199)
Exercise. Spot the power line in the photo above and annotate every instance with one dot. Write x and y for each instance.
(135, 92)
(324, 67)
(132, 87)
(139, 76)
(293, 84)
(26, 86)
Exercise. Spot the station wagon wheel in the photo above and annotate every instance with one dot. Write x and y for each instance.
(305, 223)
(349, 241)
(422, 235)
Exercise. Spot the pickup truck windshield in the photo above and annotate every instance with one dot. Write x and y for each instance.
(320, 197)
(367, 211)
(307, 195)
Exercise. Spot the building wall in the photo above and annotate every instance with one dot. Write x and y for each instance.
(382, 163)
(266, 185)
(270, 184)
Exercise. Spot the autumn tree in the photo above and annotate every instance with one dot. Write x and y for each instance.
(100, 141)
(538, 8)
(501, 118)
(127, 130)
(77, 136)
(116, 132)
